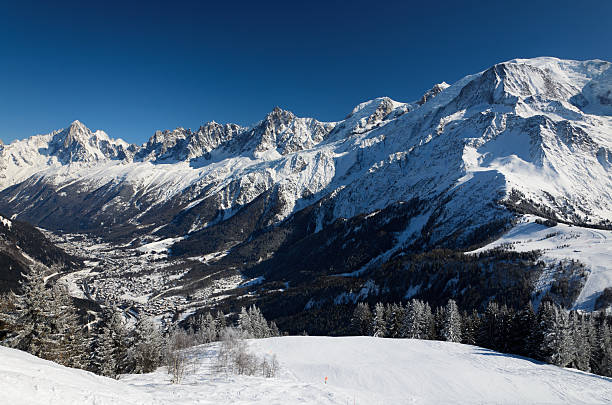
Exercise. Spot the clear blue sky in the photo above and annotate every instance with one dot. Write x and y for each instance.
(130, 68)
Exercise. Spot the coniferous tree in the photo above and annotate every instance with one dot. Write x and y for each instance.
(487, 336)
(603, 350)
(244, 323)
(72, 342)
(503, 331)
(274, 332)
(427, 323)
(220, 323)
(379, 324)
(565, 344)
(451, 328)
(408, 323)
(33, 319)
(590, 333)
(439, 324)
(581, 355)
(208, 328)
(147, 346)
(523, 323)
(470, 327)
(555, 340)
(112, 348)
(7, 317)
(396, 314)
(362, 319)
(259, 324)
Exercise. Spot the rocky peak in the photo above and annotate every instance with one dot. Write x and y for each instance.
(433, 92)
(209, 137)
(277, 118)
(283, 132)
(164, 144)
(77, 143)
(371, 113)
(184, 144)
(75, 134)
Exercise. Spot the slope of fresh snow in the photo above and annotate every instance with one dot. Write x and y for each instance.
(28, 380)
(359, 370)
(593, 247)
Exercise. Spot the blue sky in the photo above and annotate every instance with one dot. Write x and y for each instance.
(131, 68)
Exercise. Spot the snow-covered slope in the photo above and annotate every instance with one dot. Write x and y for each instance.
(359, 370)
(28, 380)
(593, 247)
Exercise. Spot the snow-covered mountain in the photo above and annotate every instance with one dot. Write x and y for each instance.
(451, 169)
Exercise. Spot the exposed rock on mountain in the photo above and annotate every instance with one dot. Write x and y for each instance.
(452, 169)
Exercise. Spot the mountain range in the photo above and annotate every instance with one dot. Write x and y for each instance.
(292, 200)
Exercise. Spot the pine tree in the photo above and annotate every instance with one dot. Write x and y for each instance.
(590, 334)
(409, 321)
(33, 319)
(244, 323)
(451, 329)
(104, 362)
(7, 317)
(523, 323)
(438, 324)
(207, 328)
(421, 323)
(362, 319)
(112, 355)
(470, 327)
(220, 323)
(73, 345)
(379, 324)
(503, 330)
(258, 323)
(396, 314)
(603, 350)
(487, 337)
(147, 346)
(555, 342)
(274, 332)
(581, 348)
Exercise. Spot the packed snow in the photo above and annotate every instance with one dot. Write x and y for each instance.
(318, 370)
(593, 247)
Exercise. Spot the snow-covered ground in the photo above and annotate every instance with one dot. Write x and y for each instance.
(28, 380)
(359, 370)
(593, 247)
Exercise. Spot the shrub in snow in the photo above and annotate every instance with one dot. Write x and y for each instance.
(234, 357)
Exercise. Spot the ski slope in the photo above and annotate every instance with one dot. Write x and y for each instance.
(28, 380)
(359, 370)
(593, 247)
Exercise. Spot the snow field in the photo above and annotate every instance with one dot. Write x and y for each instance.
(359, 370)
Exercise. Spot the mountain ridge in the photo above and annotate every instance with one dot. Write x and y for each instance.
(452, 169)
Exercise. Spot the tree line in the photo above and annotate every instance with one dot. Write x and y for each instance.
(552, 334)
(43, 321)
